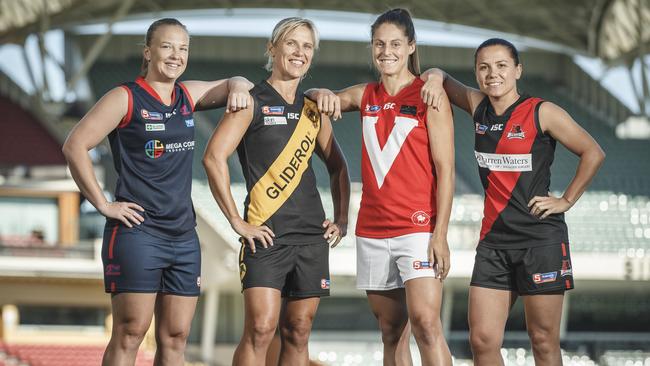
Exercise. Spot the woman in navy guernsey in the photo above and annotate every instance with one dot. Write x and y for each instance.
(151, 254)
(407, 169)
(524, 247)
(284, 256)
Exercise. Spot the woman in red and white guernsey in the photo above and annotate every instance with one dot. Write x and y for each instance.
(151, 253)
(408, 183)
(523, 248)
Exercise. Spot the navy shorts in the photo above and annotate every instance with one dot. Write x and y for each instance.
(295, 270)
(525, 271)
(135, 261)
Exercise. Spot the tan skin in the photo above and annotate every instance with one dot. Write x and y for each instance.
(132, 312)
(420, 301)
(264, 307)
(497, 75)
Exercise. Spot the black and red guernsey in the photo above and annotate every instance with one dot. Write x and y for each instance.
(514, 158)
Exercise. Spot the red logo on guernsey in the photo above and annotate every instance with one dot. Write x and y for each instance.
(420, 218)
(516, 133)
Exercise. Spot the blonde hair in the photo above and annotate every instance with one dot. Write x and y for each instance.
(284, 27)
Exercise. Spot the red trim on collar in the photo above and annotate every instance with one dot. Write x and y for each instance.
(145, 85)
(187, 93)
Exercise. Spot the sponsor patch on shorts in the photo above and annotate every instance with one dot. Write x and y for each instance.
(325, 284)
(544, 277)
(422, 265)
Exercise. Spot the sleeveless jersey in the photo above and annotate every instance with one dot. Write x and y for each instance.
(514, 158)
(152, 151)
(275, 155)
(399, 185)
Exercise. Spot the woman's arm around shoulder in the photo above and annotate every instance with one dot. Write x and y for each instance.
(333, 103)
(557, 123)
(232, 93)
(437, 81)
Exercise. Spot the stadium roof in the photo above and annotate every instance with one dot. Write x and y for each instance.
(609, 29)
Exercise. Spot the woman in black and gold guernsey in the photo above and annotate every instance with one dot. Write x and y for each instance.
(284, 260)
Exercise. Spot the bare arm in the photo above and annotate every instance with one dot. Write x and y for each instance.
(222, 144)
(556, 122)
(330, 152)
(88, 133)
(441, 142)
(461, 95)
(232, 93)
(334, 103)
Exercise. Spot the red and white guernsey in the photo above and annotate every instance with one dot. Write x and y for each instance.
(399, 185)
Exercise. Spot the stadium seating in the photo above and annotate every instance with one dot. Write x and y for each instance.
(625, 358)
(56, 355)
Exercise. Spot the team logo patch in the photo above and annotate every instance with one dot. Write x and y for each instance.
(422, 265)
(313, 116)
(112, 270)
(154, 148)
(408, 109)
(325, 284)
(277, 110)
(153, 116)
(150, 127)
(516, 133)
(198, 281)
(544, 277)
(185, 111)
(189, 122)
(420, 218)
(480, 129)
(372, 108)
(566, 268)
(274, 120)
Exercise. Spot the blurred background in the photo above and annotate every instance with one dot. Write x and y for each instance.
(57, 57)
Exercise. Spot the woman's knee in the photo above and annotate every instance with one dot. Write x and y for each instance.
(172, 339)
(482, 340)
(543, 340)
(261, 331)
(426, 328)
(129, 335)
(296, 331)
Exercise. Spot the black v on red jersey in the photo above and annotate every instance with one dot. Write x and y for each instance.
(152, 152)
(514, 158)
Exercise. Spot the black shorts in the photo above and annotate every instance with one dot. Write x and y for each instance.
(136, 261)
(296, 270)
(525, 271)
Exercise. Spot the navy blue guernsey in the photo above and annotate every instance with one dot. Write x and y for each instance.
(152, 151)
(514, 157)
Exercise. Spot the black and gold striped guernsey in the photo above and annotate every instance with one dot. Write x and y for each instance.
(275, 155)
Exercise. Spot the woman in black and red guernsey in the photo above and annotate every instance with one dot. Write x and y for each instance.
(524, 246)
(151, 254)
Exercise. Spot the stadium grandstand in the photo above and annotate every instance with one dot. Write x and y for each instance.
(53, 310)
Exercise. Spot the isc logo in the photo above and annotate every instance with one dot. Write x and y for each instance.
(293, 115)
(497, 127)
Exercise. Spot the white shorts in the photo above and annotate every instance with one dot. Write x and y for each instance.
(386, 264)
